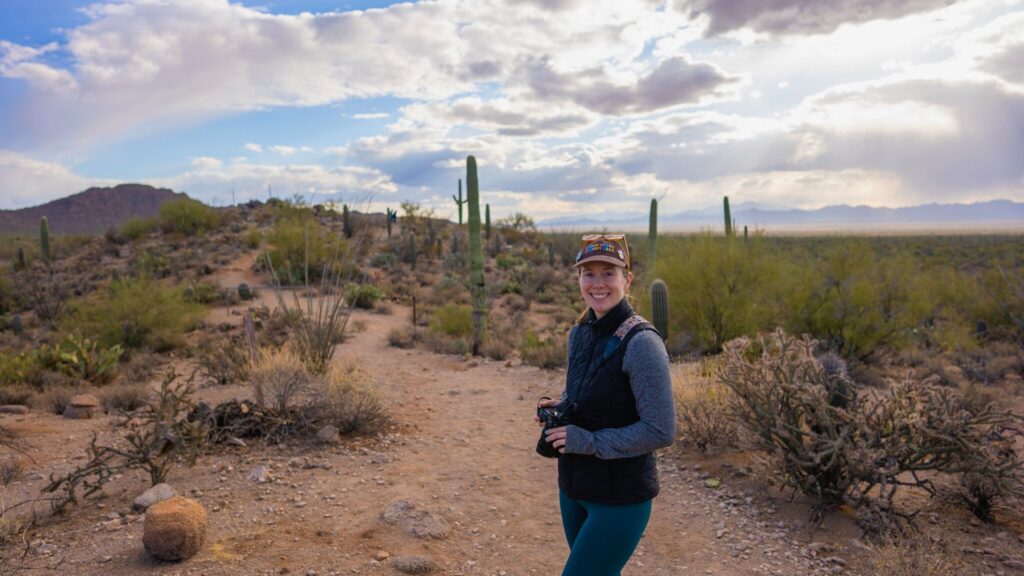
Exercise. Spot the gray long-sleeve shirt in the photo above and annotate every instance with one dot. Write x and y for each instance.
(646, 363)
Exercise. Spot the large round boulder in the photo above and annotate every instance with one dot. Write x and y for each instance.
(82, 406)
(175, 529)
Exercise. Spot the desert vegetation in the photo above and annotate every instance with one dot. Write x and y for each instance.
(870, 378)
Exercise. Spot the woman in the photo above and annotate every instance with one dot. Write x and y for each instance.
(618, 402)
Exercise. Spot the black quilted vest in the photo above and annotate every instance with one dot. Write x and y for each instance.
(604, 399)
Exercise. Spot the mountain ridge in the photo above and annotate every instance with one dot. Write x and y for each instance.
(91, 211)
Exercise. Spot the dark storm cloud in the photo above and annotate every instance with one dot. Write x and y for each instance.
(674, 81)
(781, 17)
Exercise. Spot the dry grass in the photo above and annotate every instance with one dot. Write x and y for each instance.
(346, 400)
(702, 406)
(54, 399)
(915, 558)
(126, 397)
(15, 394)
(403, 337)
(277, 376)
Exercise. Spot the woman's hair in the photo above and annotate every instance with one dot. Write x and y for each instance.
(586, 309)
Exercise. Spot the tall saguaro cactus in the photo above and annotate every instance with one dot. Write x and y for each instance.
(487, 221)
(659, 307)
(459, 201)
(390, 215)
(652, 234)
(476, 259)
(44, 239)
(728, 216)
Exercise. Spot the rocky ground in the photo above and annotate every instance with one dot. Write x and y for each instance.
(452, 487)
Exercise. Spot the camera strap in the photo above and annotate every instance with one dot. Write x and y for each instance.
(620, 334)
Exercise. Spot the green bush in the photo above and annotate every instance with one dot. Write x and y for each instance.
(136, 227)
(296, 240)
(363, 296)
(28, 367)
(135, 313)
(253, 238)
(81, 358)
(187, 216)
(453, 320)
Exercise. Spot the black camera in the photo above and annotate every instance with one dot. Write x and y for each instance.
(551, 417)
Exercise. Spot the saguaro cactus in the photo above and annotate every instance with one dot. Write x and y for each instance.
(487, 221)
(476, 259)
(659, 307)
(728, 216)
(410, 251)
(391, 216)
(459, 201)
(20, 263)
(44, 239)
(346, 221)
(652, 234)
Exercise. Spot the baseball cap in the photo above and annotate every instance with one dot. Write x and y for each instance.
(611, 248)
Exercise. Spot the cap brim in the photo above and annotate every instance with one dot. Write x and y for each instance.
(600, 258)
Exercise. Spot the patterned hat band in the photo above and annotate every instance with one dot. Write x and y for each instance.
(603, 250)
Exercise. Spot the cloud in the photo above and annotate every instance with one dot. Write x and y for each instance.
(19, 62)
(781, 17)
(288, 150)
(997, 48)
(254, 148)
(27, 182)
(206, 163)
(672, 82)
(371, 116)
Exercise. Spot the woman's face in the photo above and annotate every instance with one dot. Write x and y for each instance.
(603, 285)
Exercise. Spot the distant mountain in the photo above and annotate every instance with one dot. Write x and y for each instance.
(90, 212)
(1001, 214)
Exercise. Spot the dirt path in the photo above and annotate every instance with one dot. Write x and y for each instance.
(461, 454)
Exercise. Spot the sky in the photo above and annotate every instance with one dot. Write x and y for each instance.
(571, 107)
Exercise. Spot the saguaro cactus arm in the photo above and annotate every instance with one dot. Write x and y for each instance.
(476, 260)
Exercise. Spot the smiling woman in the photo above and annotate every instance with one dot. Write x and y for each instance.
(616, 409)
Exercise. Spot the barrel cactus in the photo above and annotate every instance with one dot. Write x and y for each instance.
(244, 292)
(659, 307)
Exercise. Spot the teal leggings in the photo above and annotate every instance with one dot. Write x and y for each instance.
(601, 537)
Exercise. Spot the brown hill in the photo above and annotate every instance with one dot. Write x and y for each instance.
(90, 212)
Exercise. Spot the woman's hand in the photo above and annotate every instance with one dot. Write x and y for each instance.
(556, 437)
(544, 403)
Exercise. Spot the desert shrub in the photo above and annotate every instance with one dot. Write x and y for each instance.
(363, 296)
(453, 320)
(402, 337)
(253, 238)
(138, 367)
(346, 401)
(126, 397)
(498, 344)
(54, 399)
(721, 289)
(225, 361)
(838, 446)
(187, 216)
(204, 293)
(135, 313)
(702, 408)
(444, 344)
(543, 353)
(11, 468)
(382, 260)
(277, 377)
(136, 227)
(28, 367)
(299, 247)
(165, 437)
(15, 393)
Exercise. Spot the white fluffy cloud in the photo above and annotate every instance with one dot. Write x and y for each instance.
(27, 182)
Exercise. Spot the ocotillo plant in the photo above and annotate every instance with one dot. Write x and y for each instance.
(346, 221)
(652, 234)
(44, 239)
(459, 201)
(728, 216)
(476, 259)
(487, 221)
(659, 307)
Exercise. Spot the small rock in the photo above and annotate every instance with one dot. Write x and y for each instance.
(382, 555)
(13, 409)
(1015, 564)
(232, 441)
(413, 564)
(82, 407)
(328, 435)
(157, 493)
(260, 474)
